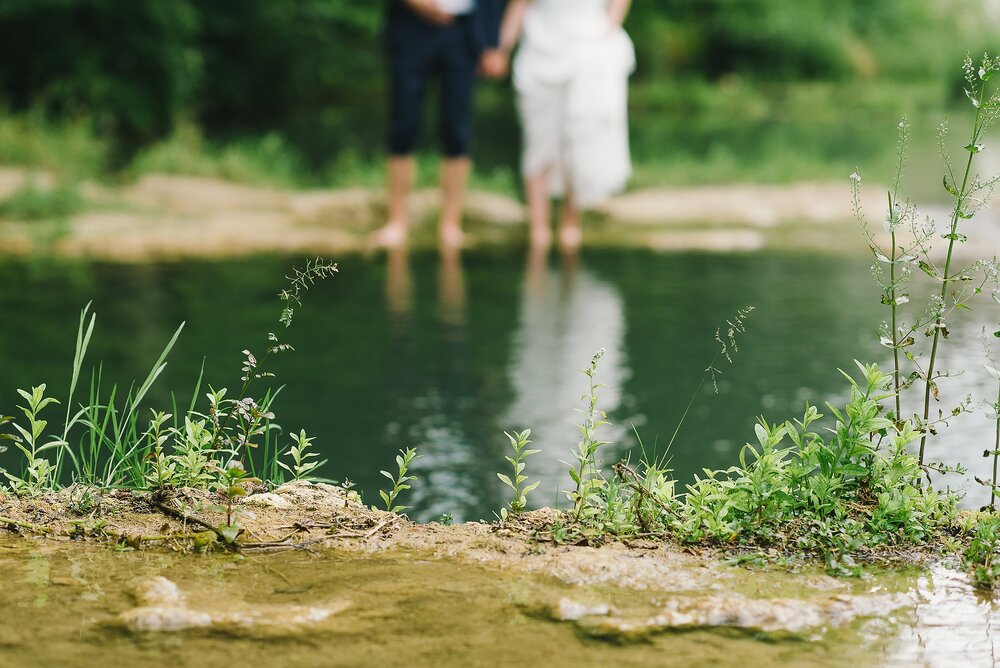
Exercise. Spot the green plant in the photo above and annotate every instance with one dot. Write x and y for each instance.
(38, 471)
(980, 555)
(399, 481)
(994, 415)
(967, 198)
(301, 468)
(585, 473)
(728, 346)
(798, 489)
(519, 442)
(232, 484)
(32, 202)
(162, 468)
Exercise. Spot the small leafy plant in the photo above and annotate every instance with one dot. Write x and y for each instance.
(980, 556)
(301, 467)
(232, 485)
(585, 472)
(399, 481)
(38, 472)
(519, 442)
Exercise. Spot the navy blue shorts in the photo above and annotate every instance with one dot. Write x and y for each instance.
(419, 53)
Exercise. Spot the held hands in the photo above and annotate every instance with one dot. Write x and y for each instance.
(494, 63)
(430, 12)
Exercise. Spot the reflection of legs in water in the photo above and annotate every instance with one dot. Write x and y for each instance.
(451, 286)
(454, 174)
(569, 265)
(537, 271)
(393, 233)
(398, 283)
(570, 234)
(536, 190)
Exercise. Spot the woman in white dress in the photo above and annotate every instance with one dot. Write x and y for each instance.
(571, 76)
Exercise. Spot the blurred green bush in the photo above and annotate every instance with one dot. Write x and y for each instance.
(312, 70)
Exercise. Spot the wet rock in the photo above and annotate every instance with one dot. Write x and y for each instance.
(772, 615)
(164, 619)
(162, 608)
(568, 610)
(158, 591)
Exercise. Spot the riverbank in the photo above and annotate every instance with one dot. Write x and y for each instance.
(167, 217)
(623, 591)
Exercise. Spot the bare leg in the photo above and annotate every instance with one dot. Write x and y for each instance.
(393, 233)
(454, 174)
(570, 234)
(536, 191)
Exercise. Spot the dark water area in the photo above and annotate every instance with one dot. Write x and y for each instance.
(444, 355)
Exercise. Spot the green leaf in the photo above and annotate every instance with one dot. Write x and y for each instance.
(230, 533)
(928, 269)
(974, 148)
(950, 188)
(505, 480)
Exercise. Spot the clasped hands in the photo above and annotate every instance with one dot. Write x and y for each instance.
(493, 63)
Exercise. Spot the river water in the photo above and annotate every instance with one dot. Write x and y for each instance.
(410, 350)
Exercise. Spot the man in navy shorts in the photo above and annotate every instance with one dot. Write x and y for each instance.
(443, 40)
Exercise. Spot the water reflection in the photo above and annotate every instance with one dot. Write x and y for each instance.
(444, 354)
(953, 624)
(567, 314)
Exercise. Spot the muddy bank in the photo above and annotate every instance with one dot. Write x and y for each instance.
(306, 517)
(164, 217)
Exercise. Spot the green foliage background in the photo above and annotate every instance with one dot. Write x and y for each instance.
(312, 70)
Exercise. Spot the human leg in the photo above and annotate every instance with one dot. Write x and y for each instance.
(570, 233)
(408, 63)
(400, 176)
(458, 73)
(454, 175)
(540, 110)
(536, 192)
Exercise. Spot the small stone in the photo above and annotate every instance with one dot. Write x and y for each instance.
(568, 610)
(267, 500)
(158, 591)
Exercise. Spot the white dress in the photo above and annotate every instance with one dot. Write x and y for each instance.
(571, 76)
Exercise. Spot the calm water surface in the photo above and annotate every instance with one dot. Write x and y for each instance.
(409, 350)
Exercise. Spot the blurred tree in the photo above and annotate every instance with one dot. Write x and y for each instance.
(805, 39)
(312, 70)
(130, 64)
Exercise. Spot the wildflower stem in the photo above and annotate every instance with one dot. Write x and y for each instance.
(894, 306)
(996, 452)
(959, 200)
(690, 403)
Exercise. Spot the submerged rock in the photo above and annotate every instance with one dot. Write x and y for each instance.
(162, 608)
(770, 615)
(568, 610)
(158, 591)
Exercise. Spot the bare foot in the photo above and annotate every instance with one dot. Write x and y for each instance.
(541, 238)
(450, 237)
(391, 235)
(570, 237)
